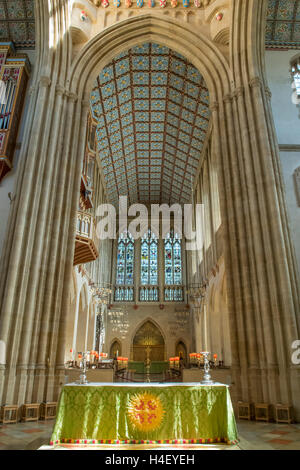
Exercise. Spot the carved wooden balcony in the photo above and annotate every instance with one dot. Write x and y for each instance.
(86, 242)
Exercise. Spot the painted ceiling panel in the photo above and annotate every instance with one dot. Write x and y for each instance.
(17, 22)
(283, 24)
(152, 111)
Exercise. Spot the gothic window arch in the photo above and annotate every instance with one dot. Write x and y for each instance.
(125, 268)
(149, 259)
(149, 291)
(173, 268)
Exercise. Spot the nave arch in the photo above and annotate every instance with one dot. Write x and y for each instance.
(52, 152)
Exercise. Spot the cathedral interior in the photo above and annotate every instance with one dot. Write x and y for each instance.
(151, 104)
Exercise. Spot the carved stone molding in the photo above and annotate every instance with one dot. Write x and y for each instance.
(92, 16)
(60, 90)
(23, 367)
(129, 4)
(256, 82)
(238, 92)
(72, 97)
(41, 367)
(268, 93)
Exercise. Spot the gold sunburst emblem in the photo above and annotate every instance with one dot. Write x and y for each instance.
(145, 412)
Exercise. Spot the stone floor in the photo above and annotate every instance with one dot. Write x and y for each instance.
(253, 436)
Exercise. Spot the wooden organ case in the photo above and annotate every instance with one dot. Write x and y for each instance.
(86, 242)
(14, 75)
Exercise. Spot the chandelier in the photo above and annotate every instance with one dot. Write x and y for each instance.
(197, 292)
(101, 292)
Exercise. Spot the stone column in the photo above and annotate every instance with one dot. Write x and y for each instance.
(37, 265)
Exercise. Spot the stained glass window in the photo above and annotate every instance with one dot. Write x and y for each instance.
(173, 260)
(149, 259)
(125, 260)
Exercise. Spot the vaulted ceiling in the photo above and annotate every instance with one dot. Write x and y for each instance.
(152, 110)
(283, 24)
(151, 106)
(17, 22)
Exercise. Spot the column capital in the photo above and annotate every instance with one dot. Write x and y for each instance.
(268, 92)
(72, 96)
(22, 366)
(238, 92)
(60, 90)
(40, 367)
(256, 82)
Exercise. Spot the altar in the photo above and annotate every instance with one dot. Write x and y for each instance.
(172, 413)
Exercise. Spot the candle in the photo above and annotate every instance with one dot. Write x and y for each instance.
(205, 328)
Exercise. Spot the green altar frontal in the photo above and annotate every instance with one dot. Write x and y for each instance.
(144, 413)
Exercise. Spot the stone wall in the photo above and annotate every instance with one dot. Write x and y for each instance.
(287, 123)
(164, 319)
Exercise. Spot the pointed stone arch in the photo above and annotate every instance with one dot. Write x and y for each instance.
(169, 32)
(155, 340)
(115, 348)
(181, 350)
